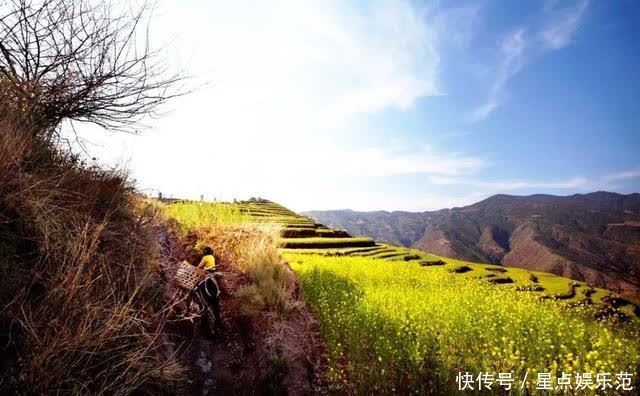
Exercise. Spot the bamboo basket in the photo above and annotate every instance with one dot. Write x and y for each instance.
(188, 276)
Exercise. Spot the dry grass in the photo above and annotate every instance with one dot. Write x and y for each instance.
(272, 286)
(252, 252)
(82, 307)
(264, 301)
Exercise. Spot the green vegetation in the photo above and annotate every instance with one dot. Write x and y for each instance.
(267, 211)
(301, 235)
(263, 348)
(399, 319)
(192, 214)
(402, 327)
(325, 242)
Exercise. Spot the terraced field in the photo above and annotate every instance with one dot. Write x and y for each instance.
(399, 328)
(302, 235)
(299, 232)
(399, 320)
(266, 211)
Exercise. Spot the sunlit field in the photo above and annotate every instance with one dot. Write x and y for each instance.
(398, 319)
(191, 214)
(399, 326)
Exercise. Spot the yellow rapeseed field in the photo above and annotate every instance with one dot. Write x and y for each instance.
(193, 214)
(400, 327)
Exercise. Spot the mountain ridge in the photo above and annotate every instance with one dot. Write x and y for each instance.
(593, 237)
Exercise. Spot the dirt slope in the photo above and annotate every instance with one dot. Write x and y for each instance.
(257, 353)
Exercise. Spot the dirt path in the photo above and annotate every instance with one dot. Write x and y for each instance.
(232, 363)
(258, 354)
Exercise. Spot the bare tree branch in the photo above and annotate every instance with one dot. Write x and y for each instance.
(76, 60)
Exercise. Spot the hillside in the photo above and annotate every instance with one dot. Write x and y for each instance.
(301, 235)
(593, 237)
(398, 320)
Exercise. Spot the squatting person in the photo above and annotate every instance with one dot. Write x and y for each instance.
(209, 286)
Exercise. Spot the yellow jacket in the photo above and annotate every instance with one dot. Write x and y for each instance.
(208, 262)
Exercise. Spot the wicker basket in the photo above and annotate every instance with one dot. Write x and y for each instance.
(188, 276)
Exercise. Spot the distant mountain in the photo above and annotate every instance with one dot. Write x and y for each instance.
(589, 237)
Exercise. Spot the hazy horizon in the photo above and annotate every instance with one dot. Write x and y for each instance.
(397, 210)
(452, 207)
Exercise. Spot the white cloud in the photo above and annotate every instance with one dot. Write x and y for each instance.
(508, 185)
(558, 32)
(329, 160)
(381, 161)
(481, 112)
(515, 50)
(624, 175)
(576, 183)
(465, 19)
(321, 60)
(287, 81)
(512, 51)
(370, 201)
(442, 201)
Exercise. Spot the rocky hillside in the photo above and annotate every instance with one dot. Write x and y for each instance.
(589, 237)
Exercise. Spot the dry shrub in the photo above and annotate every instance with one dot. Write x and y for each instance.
(82, 301)
(252, 251)
(13, 147)
(273, 284)
(227, 242)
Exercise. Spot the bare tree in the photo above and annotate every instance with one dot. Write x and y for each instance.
(76, 60)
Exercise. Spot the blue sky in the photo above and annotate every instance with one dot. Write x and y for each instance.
(392, 105)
